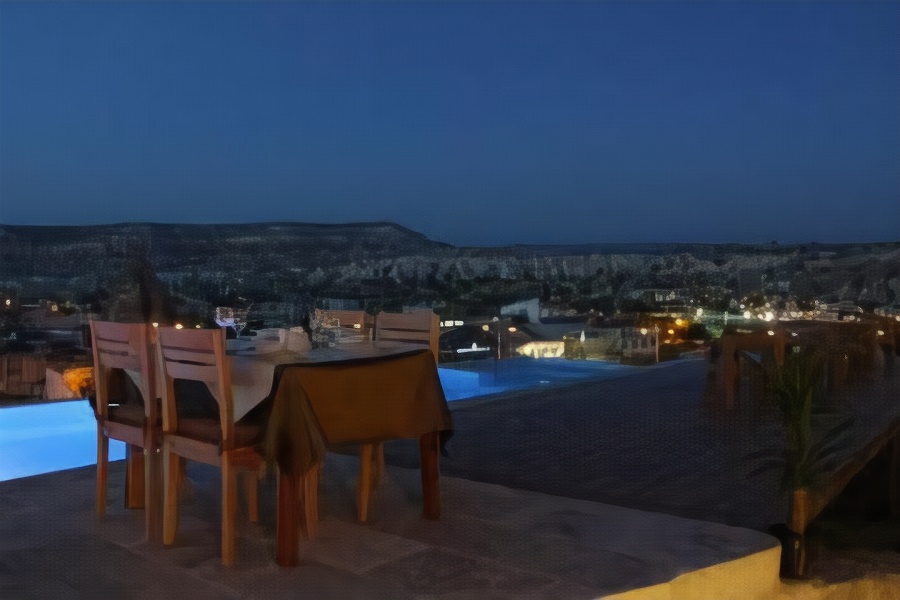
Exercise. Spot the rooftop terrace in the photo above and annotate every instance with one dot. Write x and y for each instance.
(582, 490)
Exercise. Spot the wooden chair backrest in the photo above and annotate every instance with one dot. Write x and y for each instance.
(124, 346)
(417, 327)
(356, 320)
(196, 355)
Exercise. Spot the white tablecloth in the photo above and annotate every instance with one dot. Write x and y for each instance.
(252, 373)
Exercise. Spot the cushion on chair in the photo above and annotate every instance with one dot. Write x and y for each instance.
(130, 414)
(209, 430)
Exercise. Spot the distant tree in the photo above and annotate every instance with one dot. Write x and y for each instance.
(697, 331)
(604, 304)
(633, 305)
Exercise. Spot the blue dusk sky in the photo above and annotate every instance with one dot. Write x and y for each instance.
(475, 123)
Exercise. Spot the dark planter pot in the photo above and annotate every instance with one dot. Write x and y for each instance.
(794, 564)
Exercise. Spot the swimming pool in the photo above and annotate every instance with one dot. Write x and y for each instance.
(485, 377)
(42, 438)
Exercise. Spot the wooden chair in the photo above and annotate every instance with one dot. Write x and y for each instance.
(199, 355)
(418, 328)
(421, 327)
(355, 323)
(120, 347)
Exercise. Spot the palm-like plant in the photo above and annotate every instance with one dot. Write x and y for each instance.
(797, 384)
(798, 387)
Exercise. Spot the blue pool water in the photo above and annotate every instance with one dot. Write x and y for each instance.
(43, 438)
(482, 378)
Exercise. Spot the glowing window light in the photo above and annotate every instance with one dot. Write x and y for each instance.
(747, 314)
(769, 316)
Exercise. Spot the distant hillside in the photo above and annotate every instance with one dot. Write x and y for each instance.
(386, 265)
(69, 251)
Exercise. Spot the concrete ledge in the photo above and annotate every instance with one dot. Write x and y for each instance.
(747, 578)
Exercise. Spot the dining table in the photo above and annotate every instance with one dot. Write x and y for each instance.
(352, 393)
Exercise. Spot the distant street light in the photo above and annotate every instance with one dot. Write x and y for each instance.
(656, 333)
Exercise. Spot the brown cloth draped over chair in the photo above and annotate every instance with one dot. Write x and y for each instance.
(362, 401)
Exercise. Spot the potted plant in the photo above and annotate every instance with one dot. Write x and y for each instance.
(799, 391)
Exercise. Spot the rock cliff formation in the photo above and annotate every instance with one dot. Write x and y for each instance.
(165, 269)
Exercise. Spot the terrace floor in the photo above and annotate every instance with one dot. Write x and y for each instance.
(577, 491)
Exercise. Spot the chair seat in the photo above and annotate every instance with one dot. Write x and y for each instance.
(129, 414)
(210, 431)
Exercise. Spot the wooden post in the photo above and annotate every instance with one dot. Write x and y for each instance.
(779, 342)
(800, 511)
(730, 370)
(894, 476)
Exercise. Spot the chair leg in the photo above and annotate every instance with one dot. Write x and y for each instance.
(134, 476)
(153, 484)
(171, 474)
(229, 509)
(102, 469)
(378, 464)
(184, 484)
